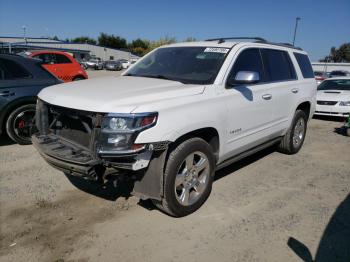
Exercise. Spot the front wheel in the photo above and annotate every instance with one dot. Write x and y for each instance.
(78, 78)
(295, 136)
(20, 124)
(188, 178)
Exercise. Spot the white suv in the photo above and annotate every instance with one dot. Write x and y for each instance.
(179, 114)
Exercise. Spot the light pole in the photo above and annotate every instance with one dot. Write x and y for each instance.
(24, 33)
(295, 29)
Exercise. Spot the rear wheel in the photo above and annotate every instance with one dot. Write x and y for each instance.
(295, 136)
(188, 178)
(20, 124)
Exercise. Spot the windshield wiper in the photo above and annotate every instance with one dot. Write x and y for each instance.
(159, 77)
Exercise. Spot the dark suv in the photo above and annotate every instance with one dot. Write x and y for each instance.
(21, 79)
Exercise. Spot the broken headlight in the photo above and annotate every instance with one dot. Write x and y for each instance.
(119, 132)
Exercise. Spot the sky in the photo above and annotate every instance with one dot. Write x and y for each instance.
(323, 24)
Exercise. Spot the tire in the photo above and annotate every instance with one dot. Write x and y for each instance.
(294, 138)
(194, 185)
(20, 124)
(78, 78)
(347, 131)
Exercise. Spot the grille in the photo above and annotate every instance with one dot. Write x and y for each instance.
(327, 103)
(74, 125)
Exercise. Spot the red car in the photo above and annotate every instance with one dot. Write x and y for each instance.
(61, 64)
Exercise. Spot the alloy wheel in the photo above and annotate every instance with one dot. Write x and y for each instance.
(192, 178)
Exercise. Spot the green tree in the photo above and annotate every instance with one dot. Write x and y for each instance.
(342, 54)
(112, 41)
(84, 39)
(139, 47)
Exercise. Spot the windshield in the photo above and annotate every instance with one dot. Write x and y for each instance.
(189, 65)
(339, 84)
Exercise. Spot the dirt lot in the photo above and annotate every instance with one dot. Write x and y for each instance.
(260, 209)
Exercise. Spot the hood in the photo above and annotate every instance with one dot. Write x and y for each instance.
(115, 94)
(333, 95)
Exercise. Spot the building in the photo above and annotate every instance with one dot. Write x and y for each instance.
(329, 67)
(80, 51)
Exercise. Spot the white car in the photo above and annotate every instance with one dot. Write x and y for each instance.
(333, 97)
(125, 63)
(177, 115)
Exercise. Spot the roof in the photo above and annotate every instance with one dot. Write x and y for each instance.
(33, 47)
(230, 44)
(19, 57)
(16, 39)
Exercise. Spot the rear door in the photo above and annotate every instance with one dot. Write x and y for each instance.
(15, 82)
(282, 81)
(64, 67)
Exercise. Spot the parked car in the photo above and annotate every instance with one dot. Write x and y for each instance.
(319, 76)
(125, 63)
(333, 97)
(179, 114)
(61, 64)
(113, 65)
(21, 79)
(95, 63)
(337, 73)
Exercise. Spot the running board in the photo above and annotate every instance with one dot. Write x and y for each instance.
(248, 153)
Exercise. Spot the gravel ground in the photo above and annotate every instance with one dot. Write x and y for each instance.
(269, 207)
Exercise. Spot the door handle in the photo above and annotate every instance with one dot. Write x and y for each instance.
(6, 93)
(267, 96)
(295, 90)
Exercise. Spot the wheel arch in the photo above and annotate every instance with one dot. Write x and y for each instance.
(12, 106)
(208, 134)
(306, 107)
(78, 76)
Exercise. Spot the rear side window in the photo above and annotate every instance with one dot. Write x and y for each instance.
(278, 65)
(10, 70)
(305, 65)
(249, 60)
(46, 58)
(61, 59)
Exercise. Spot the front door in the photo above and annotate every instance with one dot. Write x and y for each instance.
(249, 107)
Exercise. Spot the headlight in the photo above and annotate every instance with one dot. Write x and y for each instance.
(344, 103)
(119, 131)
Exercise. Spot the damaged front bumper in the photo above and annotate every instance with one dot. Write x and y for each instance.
(77, 160)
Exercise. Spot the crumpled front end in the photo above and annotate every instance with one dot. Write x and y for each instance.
(74, 142)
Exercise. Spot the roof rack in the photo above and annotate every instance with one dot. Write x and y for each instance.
(285, 45)
(257, 40)
(222, 39)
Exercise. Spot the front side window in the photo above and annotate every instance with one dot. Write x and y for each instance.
(11, 70)
(189, 65)
(339, 84)
(305, 65)
(248, 60)
(278, 65)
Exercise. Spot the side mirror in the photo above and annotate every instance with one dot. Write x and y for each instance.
(244, 78)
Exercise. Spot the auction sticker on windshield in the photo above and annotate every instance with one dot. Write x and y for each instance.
(217, 50)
